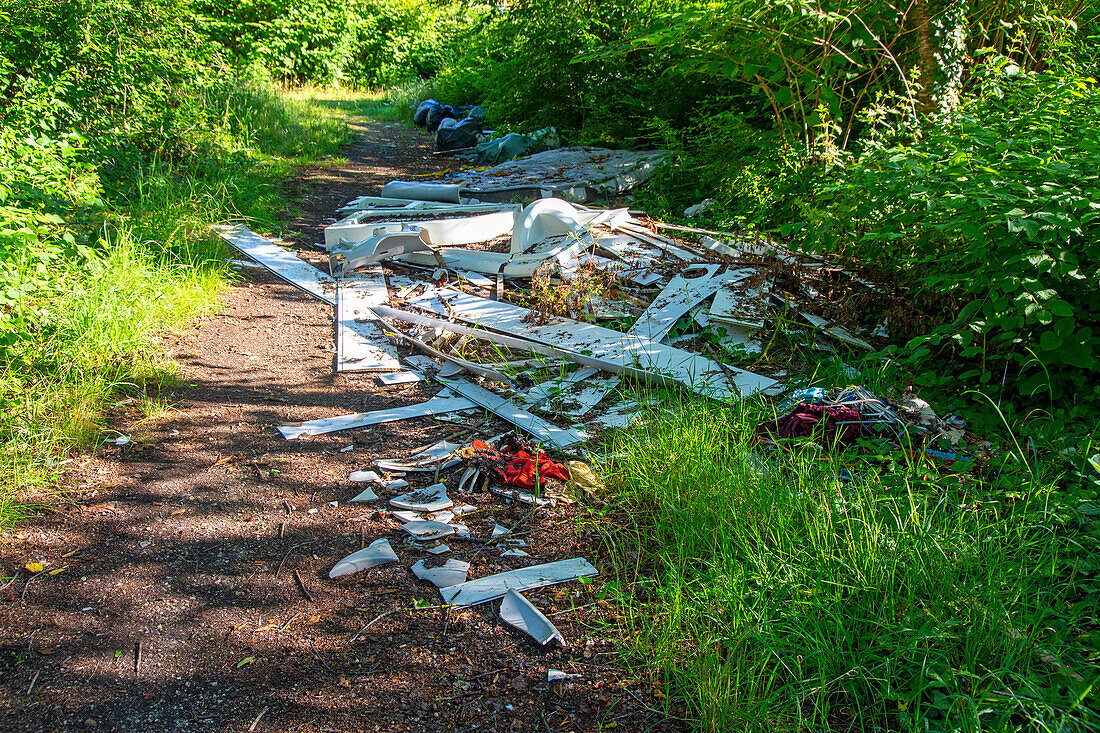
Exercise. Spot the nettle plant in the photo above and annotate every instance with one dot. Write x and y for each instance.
(997, 208)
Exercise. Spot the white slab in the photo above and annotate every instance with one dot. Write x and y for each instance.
(682, 294)
(693, 371)
(280, 262)
(426, 529)
(741, 305)
(376, 553)
(361, 345)
(396, 378)
(482, 590)
(517, 611)
(430, 499)
(452, 572)
(434, 406)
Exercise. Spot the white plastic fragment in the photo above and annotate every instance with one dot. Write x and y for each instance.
(518, 611)
(365, 495)
(430, 499)
(556, 675)
(515, 552)
(434, 406)
(397, 483)
(365, 477)
(449, 573)
(396, 378)
(426, 530)
(437, 549)
(482, 590)
(376, 553)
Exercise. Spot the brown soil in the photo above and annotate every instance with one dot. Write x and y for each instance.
(179, 606)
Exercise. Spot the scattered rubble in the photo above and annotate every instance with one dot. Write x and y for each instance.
(433, 283)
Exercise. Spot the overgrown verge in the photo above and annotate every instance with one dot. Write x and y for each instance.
(804, 590)
(121, 141)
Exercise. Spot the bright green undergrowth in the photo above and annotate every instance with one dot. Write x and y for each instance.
(126, 258)
(771, 595)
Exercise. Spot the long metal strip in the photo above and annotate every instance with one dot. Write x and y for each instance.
(561, 438)
(434, 406)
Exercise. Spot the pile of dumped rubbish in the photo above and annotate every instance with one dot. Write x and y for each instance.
(553, 317)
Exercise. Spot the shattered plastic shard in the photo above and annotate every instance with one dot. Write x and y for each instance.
(556, 675)
(425, 529)
(489, 588)
(365, 495)
(518, 611)
(437, 549)
(515, 553)
(378, 552)
(398, 483)
(364, 477)
(431, 499)
(449, 573)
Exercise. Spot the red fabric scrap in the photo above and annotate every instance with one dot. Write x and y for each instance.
(517, 464)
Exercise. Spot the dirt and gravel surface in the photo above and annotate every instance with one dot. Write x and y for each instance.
(193, 592)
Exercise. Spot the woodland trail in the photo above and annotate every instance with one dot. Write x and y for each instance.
(180, 606)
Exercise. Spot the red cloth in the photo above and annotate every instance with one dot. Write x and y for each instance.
(517, 464)
(805, 418)
(522, 468)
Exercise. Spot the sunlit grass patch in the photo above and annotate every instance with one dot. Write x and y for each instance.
(788, 598)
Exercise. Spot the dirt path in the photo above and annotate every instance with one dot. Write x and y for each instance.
(178, 607)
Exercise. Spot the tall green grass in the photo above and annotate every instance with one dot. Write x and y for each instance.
(150, 267)
(772, 595)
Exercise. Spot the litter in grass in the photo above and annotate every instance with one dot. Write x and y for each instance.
(517, 611)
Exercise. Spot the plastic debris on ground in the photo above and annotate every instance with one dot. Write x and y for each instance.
(528, 329)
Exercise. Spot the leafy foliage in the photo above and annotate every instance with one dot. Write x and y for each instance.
(998, 207)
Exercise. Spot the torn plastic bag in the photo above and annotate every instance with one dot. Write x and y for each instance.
(457, 135)
(436, 115)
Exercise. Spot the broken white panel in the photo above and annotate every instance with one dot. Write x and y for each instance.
(624, 350)
(279, 262)
(741, 305)
(507, 264)
(399, 483)
(452, 572)
(506, 409)
(715, 246)
(483, 590)
(573, 395)
(365, 477)
(348, 256)
(434, 406)
(376, 206)
(499, 530)
(436, 549)
(515, 552)
(424, 459)
(365, 495)
(361, 345)
(425, 530)
(517, 611)
(838, 332)
(399, 378)
(617, 416)
(430, 499)
(663, 243)
(376, 553)
(691, 287)
(598, 348)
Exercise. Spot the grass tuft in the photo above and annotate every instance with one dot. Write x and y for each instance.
(788, 599)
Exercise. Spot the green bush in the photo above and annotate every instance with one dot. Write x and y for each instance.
(998, 208)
